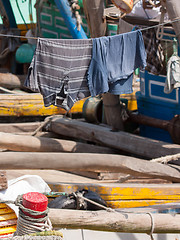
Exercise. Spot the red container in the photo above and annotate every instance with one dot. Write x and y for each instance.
(35, 201)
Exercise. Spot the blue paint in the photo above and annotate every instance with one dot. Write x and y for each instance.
(69, 19)
(153, 87)
(153, 102)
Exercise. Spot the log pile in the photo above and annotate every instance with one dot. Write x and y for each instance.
(92, 148)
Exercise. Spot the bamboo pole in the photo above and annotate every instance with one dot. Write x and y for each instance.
(88, 162)
(114, 221)
(26, 143)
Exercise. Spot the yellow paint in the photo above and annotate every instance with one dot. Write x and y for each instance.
(23, 29)
(26, 105)
(6, 210)
(31, 105)
(136, 203)
(2, 205)
(9, 216)
(78, 106)
(132, 102)
(7, 230)
(122, 195)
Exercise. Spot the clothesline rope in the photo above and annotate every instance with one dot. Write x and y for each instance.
(141, 29)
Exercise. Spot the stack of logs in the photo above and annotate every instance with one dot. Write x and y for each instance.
(94, 148)
(97, 149)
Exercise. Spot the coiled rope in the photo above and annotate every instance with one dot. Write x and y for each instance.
(34, 222)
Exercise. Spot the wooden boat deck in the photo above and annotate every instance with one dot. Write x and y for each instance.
(116, 195)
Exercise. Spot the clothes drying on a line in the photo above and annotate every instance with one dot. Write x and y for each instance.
(114, 59)
(58, 70)
(67, 70)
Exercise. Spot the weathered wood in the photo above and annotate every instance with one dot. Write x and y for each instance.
(115, 221)
(94, 10)
(118, 192)
(88, 162)
(124, 195)
(27, 143)
(26, 105)
(113, 109)
(19, 127)
(9, 81)
(131, 143)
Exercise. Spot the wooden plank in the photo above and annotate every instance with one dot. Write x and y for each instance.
(8, 223)
(8, 216)
(141, 146)
(101, 175)
(19, 127)
(115, 221)
(25, 143)
(137, 203)
(94, 10)
(6, 210)
(116, 192)
(26, 105)
(7, 230)
(88, 162)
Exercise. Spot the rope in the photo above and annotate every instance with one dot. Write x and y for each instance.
(47, 120)
(27, 237)
(167, 159)
(29, 223)
(152, 225)
(80, 196)
(27, 226)
(141, 29)
(47, 235)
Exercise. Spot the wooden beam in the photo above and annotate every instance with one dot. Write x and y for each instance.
(94, 10)
(88, 162)
(113, 109)
(25, 143)
(115, 221)
(19, 127)
(10, 81)
(141, 146)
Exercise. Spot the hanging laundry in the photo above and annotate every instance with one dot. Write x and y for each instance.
(173, 70)
(173, 74)
(154, 50)
(114, 59)
(58, 70)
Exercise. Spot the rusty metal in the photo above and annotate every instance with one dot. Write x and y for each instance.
(172, 126)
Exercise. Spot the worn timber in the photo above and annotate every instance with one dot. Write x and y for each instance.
(88, 162)
(145, 147)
